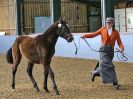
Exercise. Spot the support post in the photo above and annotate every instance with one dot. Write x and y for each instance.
(18, 17)
(55, 10)
(107, 10)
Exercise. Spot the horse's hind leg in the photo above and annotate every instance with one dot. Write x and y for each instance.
(14, 69)
(51, 73)
(29, 71)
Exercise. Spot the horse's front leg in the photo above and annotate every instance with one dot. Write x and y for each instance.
(51, 73)
(46, 71)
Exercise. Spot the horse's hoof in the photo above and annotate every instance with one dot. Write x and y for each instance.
(57, 92)
(37, 89)
(13, 90)
(46, 90)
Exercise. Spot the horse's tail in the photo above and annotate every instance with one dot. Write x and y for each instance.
(14, 53)
(9, 57)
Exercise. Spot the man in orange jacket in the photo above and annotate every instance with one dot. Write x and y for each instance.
(109, 36)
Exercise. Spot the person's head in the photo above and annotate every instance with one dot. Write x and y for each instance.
(109, 22)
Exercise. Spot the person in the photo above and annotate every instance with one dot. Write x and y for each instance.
(105, 67)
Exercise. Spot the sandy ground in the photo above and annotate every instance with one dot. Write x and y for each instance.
(72, 77)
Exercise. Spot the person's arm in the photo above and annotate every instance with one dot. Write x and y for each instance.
(93, 34)
(119, 42)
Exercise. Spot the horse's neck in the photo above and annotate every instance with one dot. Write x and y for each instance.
(50, 36)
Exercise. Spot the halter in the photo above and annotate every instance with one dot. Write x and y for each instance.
(60, 32)
(63, 30)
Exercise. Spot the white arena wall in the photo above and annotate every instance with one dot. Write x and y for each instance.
(65, 49)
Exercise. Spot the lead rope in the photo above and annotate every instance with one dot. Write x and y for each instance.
(120, 55)
(77, 48)
(90, 46)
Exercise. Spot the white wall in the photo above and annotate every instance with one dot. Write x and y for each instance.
(65, 49)
(6, 42)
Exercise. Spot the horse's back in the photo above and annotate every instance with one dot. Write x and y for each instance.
(21, 39)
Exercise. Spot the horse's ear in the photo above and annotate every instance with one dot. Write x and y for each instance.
(61, 18)
(64, 18)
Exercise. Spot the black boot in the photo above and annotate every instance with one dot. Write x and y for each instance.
(116, 85)
(93, 75)
(97, 66)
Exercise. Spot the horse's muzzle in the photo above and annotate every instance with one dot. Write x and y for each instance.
(70, 38)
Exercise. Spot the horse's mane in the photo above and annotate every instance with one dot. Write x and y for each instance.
(50, 29)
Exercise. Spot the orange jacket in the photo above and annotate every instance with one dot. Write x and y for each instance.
(106, 39)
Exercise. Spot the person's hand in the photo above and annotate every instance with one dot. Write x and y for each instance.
(121, 50)
(81, 37)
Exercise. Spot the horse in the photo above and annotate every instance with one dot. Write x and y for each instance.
(38, 50)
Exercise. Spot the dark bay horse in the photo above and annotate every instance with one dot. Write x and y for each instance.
(38, 50)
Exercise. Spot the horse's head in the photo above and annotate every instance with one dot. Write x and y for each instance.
(64, 30)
